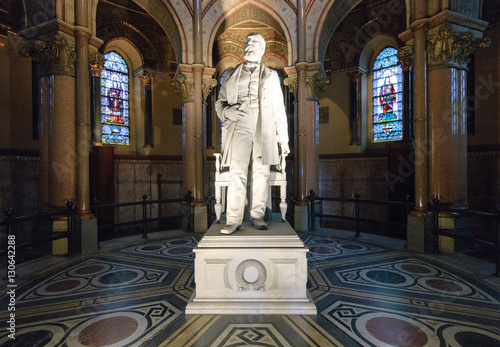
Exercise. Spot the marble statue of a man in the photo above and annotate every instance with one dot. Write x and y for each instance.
(252, 110)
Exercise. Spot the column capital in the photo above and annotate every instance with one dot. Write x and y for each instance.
(55, 57)
(451, 49)
(96, 62)
(405, 57)
(208, 85)
(146, 77)
(315, 79)
(184, 87)
(355, 73)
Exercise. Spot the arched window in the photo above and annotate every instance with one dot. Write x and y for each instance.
(115, 100)
(387, 97)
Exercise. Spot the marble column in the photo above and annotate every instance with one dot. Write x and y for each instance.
(147, 81)
(448, 53)
(355, 78)
(96, 66)
(56, 72)
(307, 132)
(420, 120)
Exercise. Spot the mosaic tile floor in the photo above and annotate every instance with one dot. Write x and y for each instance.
(367, 294)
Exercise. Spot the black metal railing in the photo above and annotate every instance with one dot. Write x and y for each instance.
(11, 224)
(494, 232)
(406, 206)
(144, 221)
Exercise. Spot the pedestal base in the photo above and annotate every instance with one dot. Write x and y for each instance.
(251, 272)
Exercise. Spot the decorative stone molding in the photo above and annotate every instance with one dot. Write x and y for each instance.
(449, 49)
(405, 57)
(96, 62)
(208, 85)
(146, 78)
(315, 85)
(291, 83)
(354, 76)
(184, 87)
(56, 58)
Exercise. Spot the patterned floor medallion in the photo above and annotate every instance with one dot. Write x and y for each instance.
(92, 276)
(180, 248)
(373, 326)
(322, 248)
(130, 326)
(413, 275)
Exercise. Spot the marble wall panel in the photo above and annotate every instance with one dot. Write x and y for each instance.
(7, 194)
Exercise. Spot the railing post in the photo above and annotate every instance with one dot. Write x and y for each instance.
(312, 210)
(69, 213)
(435, 208)
(8, 213)
(497, 219)
(144, 218)
(357, 195)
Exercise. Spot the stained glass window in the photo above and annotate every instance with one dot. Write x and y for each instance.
(387, 97)
(115, 100)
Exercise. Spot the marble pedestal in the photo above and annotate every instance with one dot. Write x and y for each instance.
(251, 272)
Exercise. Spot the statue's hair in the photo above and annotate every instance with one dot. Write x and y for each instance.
(261, 38)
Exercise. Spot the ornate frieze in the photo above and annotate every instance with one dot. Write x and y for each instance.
(184, 87)
(96, 62)
(405, 57)
(55, 58)
(449, 49)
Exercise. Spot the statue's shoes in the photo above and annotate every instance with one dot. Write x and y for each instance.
(259, 224)
(229, 229)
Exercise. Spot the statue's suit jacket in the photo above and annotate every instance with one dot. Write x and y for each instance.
(272, 109)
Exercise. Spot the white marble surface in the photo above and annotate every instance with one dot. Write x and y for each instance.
(251, 272)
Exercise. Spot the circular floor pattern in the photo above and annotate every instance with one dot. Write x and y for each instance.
(445, 286)
(113, 330)
(179, 250)
(323, 250)
(118, 278)
(43, 335)
(62, 287)
(386, 277)
(416, 269)
(385, 329)
(468, 336)
(89, 269)
(150, 248)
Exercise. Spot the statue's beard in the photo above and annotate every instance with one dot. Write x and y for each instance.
(252, 55)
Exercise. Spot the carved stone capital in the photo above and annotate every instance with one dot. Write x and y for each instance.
(96, 62)
(146, 78)
(54, 58)
(449, 49)
(184, 87)
(405, 56)
(315, 85)
(208, 85)
(291, 83)
(354, 76)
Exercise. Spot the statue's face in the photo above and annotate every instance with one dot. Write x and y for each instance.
(255, 46)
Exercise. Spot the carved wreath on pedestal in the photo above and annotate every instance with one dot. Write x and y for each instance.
(251, 274)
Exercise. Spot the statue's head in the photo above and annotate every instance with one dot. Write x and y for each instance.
(255, 46)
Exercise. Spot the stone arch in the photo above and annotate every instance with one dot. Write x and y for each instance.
(245, 12)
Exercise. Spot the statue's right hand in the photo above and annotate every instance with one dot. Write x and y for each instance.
(232, 113)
